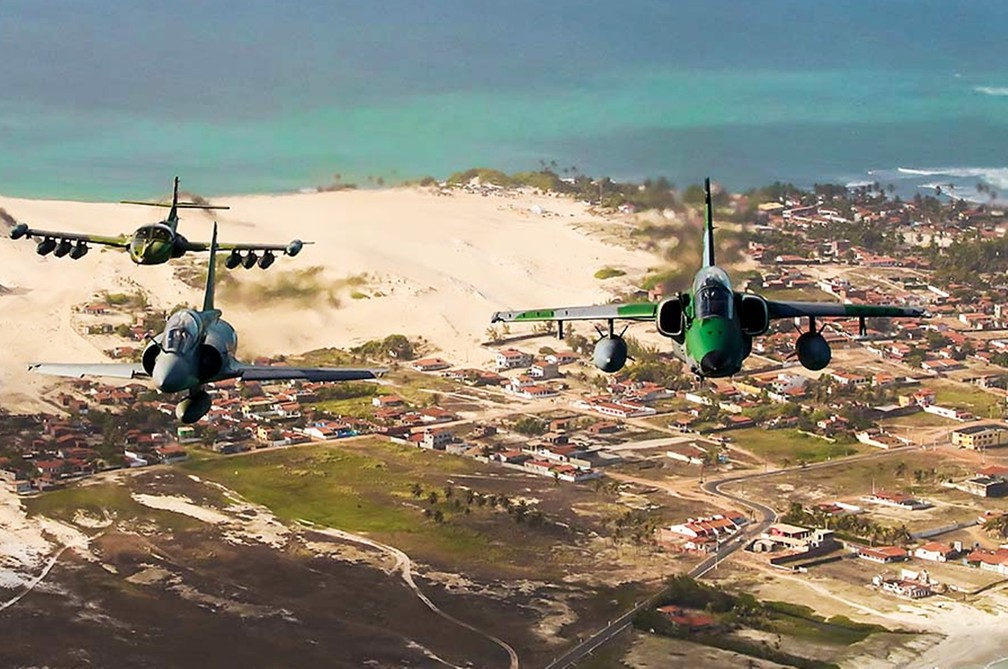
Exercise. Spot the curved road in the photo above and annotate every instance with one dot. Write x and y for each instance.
(767, 517)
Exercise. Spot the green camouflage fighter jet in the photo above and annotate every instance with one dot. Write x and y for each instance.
(198, 347)
(156, 243)
(712, 326)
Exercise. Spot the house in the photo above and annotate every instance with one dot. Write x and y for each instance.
(692, 621)
(717, 527)
(436, 439)
(171, 453)
(985, 486)
(429, 364)
(976, 437)
(537, 391)
(562, 358)
(990, 560)
(511, 358)
(882, 554)
(897, 499)
(544, 370)
(936, 551)
(849, 379)
(940, 365)
(689, 453)
(903, 587)
(385, 401)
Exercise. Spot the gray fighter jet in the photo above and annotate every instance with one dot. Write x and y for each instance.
(198, 347)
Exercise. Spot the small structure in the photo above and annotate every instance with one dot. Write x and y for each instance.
(691, 621)
(896, 499)
(429, 364)
(882, 554)
(936, 551)
(989, 435)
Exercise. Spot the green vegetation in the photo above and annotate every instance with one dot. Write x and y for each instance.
(484, 174)
(854, 527)
(347, 399)
(743, 610)
(968, 398)
(395, 346)
(137, 300)
(789, 447)
(371, 487)
(112, 500)
(651, 194)
(802, 622)
(529, 426)
(303, 286)
(609, 273)
(668, 277)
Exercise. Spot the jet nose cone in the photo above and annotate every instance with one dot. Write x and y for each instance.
(172, 373)
(714, 363)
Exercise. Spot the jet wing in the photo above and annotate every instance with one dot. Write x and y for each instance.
(278, 373)
(22, 230)
(840, 310)
(291, 249)
(111, 369)
(636, 311)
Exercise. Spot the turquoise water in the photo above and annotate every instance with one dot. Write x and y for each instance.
(248, 97)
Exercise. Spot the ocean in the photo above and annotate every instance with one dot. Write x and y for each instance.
(237, 97)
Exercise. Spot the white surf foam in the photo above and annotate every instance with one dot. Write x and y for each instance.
(997, 91)
(992, 176)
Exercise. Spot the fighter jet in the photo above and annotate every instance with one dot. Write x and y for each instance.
(712, 326)
(198, 347)
(156, 243)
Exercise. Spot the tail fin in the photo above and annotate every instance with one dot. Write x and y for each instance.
(175, 204)
(208, 296)
(173, 214)
(708, 240)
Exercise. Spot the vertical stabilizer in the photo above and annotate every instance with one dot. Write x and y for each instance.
(708, 240)
(173, 214)
(208, 297)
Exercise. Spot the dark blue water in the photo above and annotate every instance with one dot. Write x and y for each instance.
(103, 102)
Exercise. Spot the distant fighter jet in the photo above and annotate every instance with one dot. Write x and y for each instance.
(156, 243)
(198, 347)
(712, 326)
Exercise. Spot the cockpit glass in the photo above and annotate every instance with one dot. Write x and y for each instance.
(181, 332)
(713, 299)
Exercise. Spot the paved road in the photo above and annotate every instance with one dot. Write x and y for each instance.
(767, 517)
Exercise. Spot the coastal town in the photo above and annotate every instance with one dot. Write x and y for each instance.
(884, 472)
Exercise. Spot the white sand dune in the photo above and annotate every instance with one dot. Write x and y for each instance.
(443, 264)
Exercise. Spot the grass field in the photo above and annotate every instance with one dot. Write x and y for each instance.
(776, 446)
(102, 500)
(919, 419)
(365, 487)
(889, 471)
(968, 398)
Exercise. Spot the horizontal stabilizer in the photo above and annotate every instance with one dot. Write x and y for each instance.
(278, 373)
(180, 205)
(78, 371)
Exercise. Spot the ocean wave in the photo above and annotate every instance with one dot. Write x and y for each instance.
(859, 184)
(997, 91)
(992, 176)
